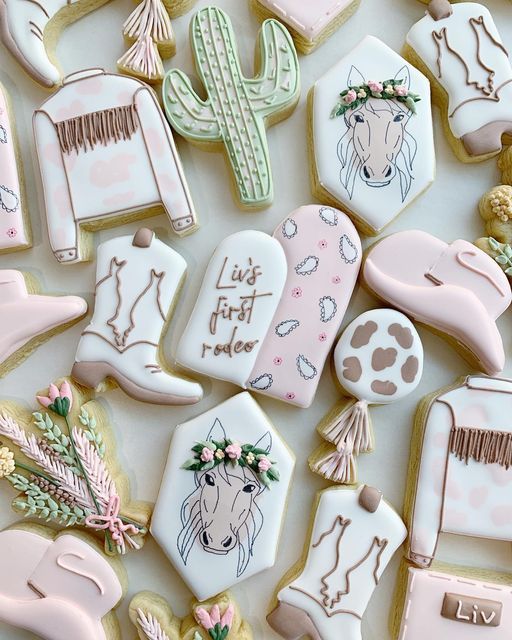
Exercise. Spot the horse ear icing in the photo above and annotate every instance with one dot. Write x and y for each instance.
(217, 432)
(405, 75)
(265, 442)
(355, 78)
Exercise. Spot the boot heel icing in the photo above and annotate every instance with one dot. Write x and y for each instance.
(292, 623)
(90, 374)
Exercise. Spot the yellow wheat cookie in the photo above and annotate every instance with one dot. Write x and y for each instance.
(448, 602)
(59, 586)
(218, 618)
(61, 461)
(310, 23)
(28, 318)
(458, 47)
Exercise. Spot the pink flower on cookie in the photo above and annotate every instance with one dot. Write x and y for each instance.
(264, 464)
(278, 361)
(350, 96)
(296, 292)
(234, 451)
(206, 454)
(401, 90)
(375, 87)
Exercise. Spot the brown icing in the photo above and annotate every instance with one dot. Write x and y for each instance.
(370, 498)
(384, 387)
(143, 238)
(383, 358)
(409, 369)
(440, 9)
(487, 139)
(481, 445)
(475, 611)
(352, 369)
(402, 335)
(362, 334)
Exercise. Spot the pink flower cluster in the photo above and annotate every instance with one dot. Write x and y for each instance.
(54, 393)
(350, 97)
(206, 454)
(234, 451)
(264, 464)
(375, 87)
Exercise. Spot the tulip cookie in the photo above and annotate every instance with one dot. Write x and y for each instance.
(138, 279)
(352, 538)
(61, 462)
(223, 496)
(310, 23)
(59, 586)
(107, 156)
(15, 234)
(28, 319)
(217, 619)
(456, 289)
(371, 137)
(237, 110)
(461, 51)
(378, 360)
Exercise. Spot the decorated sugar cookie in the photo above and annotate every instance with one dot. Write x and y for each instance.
(378, 360)
(452, 603)
(106, 155)
(353, 536)
(61, 461)
(59, 585)
(271, 307)
(15, 234)
(30, 31)
(238, 129)
(371, 142)
(28, 319)
(138, 279)
(496, 211)
(217, 619)
(461, 51)
(310, 23)
(150, 36)
(461, 482)
(223, 496)
(456, 289)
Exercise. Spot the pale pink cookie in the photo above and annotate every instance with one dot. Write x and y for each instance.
(461, 484)
(310, 22)
(323, 253)
(15, 232)
(61, 461)
(453, 602)
(378, 360)
(352, 538)
(456, 289)
(28, 319)
(106, 155)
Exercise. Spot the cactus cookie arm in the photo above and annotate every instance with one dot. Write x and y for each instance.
(278, 83)
(188, 114)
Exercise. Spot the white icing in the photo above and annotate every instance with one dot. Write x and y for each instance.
(135, 290)
(206, 573)
(356, 546)
(112, 179)
(413, 169)
(381, 339)
(262, 260)
(462, 39)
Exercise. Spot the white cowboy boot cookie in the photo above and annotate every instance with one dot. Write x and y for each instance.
(138, 278)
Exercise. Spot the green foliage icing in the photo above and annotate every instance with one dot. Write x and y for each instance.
(235, 110)
(504, 255)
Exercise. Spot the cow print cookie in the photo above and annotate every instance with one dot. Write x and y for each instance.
(378, 360)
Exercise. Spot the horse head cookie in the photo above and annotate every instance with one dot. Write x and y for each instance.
(58, 586)
(461, 51)
(223, 496)
(296, 285)
(378, 360)
(371, 135)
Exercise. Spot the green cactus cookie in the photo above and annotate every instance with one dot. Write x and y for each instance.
(237, 109)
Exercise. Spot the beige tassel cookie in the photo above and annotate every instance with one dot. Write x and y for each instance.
(378, 360)
(148, 33)
(218, 618)
(61, 461)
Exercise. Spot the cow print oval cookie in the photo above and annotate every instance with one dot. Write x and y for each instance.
(379, 357)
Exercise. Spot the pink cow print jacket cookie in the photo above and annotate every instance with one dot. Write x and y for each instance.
(106, 151)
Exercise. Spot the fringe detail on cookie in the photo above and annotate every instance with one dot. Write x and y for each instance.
(337, 466)
(352, 426)
(101, 127)
(149, 18)
(143, 59)
(481, 445)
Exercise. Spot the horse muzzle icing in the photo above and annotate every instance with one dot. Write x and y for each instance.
(377, 177)
(215, 544)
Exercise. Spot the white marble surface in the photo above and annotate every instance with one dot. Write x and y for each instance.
(448, 209)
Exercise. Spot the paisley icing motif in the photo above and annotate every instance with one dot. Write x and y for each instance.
(308, 266)
(286, 327)
(348, 250)
(328, 308)
(289, 228)
(3, 135)
(305, 368)
(329, 216)
(9, 201)
(263, 382)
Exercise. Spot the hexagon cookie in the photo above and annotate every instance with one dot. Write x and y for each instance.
(223, 496)
(371, 136)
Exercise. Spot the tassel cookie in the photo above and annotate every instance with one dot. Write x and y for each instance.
(378, 360)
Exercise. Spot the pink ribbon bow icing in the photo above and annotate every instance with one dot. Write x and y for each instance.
(111, 521)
